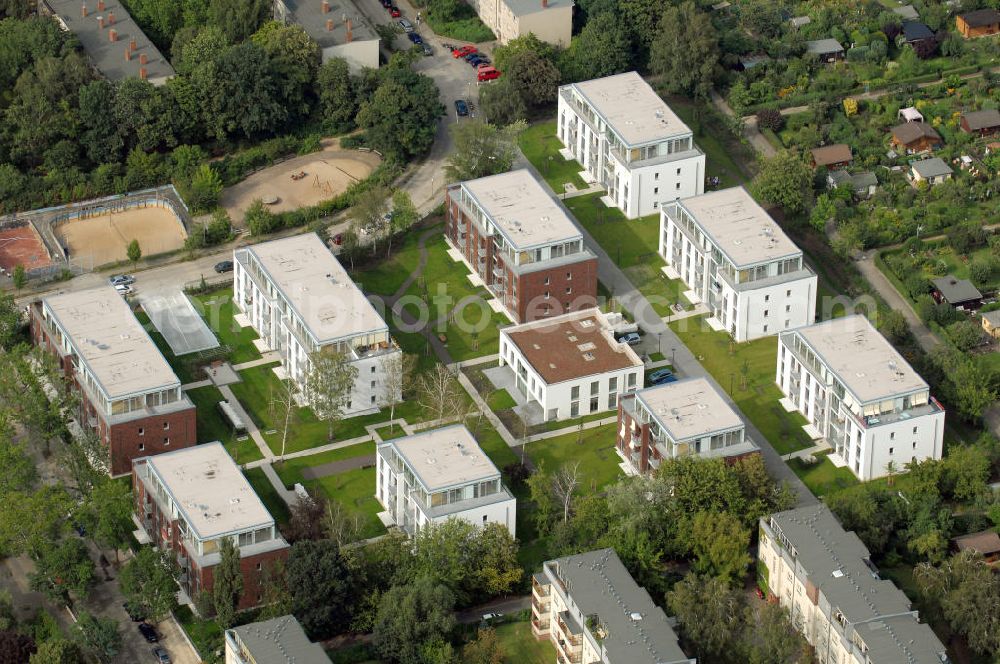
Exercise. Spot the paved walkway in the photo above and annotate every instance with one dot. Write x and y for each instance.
(267, 358)
(252, 430)
(882, 285)
(337, 467)
(288, 495)
(196, 384)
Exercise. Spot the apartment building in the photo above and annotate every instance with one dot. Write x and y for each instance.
(824, 576)
(340, 29)
(630, 142)
(860, 395)
(301, 301)
(592, 610)
(549, 20)
(570, 365)
(737, 260)
(189, 501)
(432, 476)
(678, 419)
(522, 244)
(129, 396)
(275, 641)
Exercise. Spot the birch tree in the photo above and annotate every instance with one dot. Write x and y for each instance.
(440, 395)
(396, 378)
(329, 384)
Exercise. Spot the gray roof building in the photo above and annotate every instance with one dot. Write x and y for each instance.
(906, 12)
(931, 168)
(276, 641)
(979, 120)
(823, 47)
(956, 291)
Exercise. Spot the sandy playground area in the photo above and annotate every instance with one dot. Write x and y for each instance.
(327, 174)
(22, 246)
(105, 237)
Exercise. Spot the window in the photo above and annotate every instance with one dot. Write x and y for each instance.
(142, 446)
(678, 186)
(678, 171)
(166, 441)
(914, 429)
(574, 409)
(595, 387)
(546, 295)
(767, 298)
(142, 432)
(484, 518)
(613, 383)
(656, 190)
(569, 276)
(765, 313)
(595, 403)
(892, 435)
(788, 308)
(373, 369)
(546, 281)
(788, 293)
(574, 393)
(656, 176)
(166, 426)
(787, 322)
(914, 444)
(373, 399)
(765, 328)
(569, 289)
(612, 401)
(373, 385)
(260, 567)
(655, 205)
(890, 450)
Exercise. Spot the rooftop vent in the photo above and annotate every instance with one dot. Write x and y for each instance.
(635, 615)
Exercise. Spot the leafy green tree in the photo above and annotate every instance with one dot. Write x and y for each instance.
(965, 592)
(534, 75)
(98, 636)
(19, 277)
(321, 587)
(770, 637)
(400, 119)
(294, 57)
(11, 321)
(708, 614)
(873, 511)
(965, 334)
(108, 514)
(259, 219)
(892, 324)
(720, 546)
(148, 582)
(329, 384)
(205, 189)
(57, 651)
(485, 649)
(133, 251)
(227, 584)
(336, 94)
(238, 19)
(32, 521)
(410, 616)
(63, 570)
(784, 180)
(602, 48)
(502, 102)
(482, 149)
(195, 46)
(15, 647)
(966, 472)
(685, 50)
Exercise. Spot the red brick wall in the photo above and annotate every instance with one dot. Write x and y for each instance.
(202, 578)
(124, 439)
(581, 277)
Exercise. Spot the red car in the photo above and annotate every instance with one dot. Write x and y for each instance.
(463, 51)
(338, 239)
(487, 73)
(394, 12)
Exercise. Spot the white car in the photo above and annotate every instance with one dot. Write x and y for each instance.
(405, 25)
(491, 616)
(123, 289)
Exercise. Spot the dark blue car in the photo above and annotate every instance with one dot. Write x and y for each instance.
(461, 108)
(661, 377)
(414, 37)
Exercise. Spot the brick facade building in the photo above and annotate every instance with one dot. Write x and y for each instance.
(189, 500)
(519, 240)
(129, 395)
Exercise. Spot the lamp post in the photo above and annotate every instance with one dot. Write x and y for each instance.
(672, 353)
(659, 342)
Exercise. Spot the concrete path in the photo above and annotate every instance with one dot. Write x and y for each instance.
(697, 310)
(248, 422)
(464, 381)
(866, 265)
(266, 358)
(288, 495)
(337, 467)
(196, 384)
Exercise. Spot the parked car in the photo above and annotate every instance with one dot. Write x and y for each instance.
(664, 380)
(121, 279)
(405, 25)
(427, 48)
(487, 74)
(394, 12)
(659, 374)
(386, 3)
(463, 51)
(338, 239)
(491, 616)
(148, 633)
(224, 266)
(461, 108)
(481, 59)
(632, 338)
(161, 656)
(135, 614)
(414, 37)
(123, 290)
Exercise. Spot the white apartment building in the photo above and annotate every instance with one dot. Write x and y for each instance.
(300, 300)
(738, 261)
(630, 142)
(275, 641)
(678, 419)
(570, 365)
(860, 394)
(833, 592)
(549, 20)
(592, 610)
(432, 476)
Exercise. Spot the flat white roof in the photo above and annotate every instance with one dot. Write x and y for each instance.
(689, 408)
(208, 487)
(521, 208)
(862, 358)
(317, 287)
(632, 108)
(739, 226)
(445, 457)
(111, 342)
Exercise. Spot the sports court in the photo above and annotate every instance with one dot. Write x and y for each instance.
(299, 182)
(173, 314)
(105, 236)
(22, 246)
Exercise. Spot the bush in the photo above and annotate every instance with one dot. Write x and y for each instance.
(770, 118)
(259, 219)
(981, 271)
(964, 334)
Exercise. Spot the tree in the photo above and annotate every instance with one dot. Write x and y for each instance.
(98, 636)
(565, 482)
(205, 189)
(335, 90)
(474, 562)
(708, 613)
(369, 212)
(532, 74)
(482, 149)
(770, 118)
(320, 585)
(411, 615)
(227, 584)
(401, 117)
(108, 514)
(770, 637)
(539, 488)
(32, 521)
(497, 571)
(306, 520)
(62, 570)
(685, 51)
(259, 219)
(720, 546)
(11, 321)
(329, 384)
(502, 103)
(340, 525)
(294, 58)
(238, 19)
(965, 334)
(784, 180)
(440, 395)
(284, 409)
(966, 593)
(133, 252)
(404, 215)
(892, 324)
(397, 374)
(57, 651)
(484, 650)
(602, 48)
(148, 582)
(19, 276)
(15, 647)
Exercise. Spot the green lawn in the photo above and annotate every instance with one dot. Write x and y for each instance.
(266, 492)
(595, 452)
(355, 491)
(499, 452)
(212, 426)
(632, 244)
(307, 431)
(725, 360)
(500, 399)
(386, 276)
(541, 147)
(520, 647)
(716, 145)
(216, 307)
(205, 634)
(823, 477)
(290, 470)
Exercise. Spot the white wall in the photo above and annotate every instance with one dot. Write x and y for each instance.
(649, 186)
(787, 305)
(359, 54)
(553, 25)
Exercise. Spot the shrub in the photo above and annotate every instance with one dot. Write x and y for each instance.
(770, 118)
(981, 271)
(259, 219)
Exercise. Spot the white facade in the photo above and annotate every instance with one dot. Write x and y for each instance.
(739, 262)
(300, 300)
(549, 20)
(861, 395)
(436, 475)
(551, 370)
(630, 142)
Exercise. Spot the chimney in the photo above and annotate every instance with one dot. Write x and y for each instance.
(545, 3)
(133, 44)
(111, 18)
(329, 25)
(83, 10)
(143, 58)
(128, 54)
(142, 73)
(100, 5)
(350, 35)
(100, 22)
(326, 7)
(112, 35)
